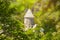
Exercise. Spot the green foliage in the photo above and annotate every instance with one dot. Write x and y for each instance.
(47, 16)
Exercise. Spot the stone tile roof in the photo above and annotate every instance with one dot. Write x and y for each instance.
(29, 14)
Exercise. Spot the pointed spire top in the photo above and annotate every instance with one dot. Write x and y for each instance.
(29, 14)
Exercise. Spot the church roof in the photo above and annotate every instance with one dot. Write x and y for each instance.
(29, 14)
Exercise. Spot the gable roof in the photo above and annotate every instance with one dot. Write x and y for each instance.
(29, 14)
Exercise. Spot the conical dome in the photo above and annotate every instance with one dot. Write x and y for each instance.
(29, 14)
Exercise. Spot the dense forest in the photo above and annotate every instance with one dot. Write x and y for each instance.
(47, 17)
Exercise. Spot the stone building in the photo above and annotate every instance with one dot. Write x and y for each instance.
(28, 19)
